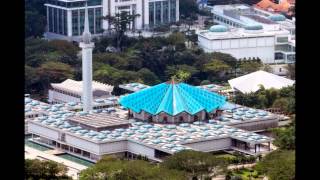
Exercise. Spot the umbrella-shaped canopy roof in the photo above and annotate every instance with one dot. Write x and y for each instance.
(172, 98)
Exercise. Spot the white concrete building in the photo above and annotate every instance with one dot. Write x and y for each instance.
(71, 91)
(249, 42)
(65, 18)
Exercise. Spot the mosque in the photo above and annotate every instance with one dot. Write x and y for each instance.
(154, 122)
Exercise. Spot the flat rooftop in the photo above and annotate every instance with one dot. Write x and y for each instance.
(98, 121)
(212, 87)
(239, 33)
(133, 87)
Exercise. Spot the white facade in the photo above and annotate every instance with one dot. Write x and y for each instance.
(65, 18)
(241, 43)
(71, 91)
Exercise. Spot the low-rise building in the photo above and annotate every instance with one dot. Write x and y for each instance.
(90, 135)
(249, 42)
(71, 91)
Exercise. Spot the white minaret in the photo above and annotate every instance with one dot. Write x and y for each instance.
(86, 45)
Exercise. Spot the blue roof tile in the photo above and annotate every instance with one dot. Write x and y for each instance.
(172, 98)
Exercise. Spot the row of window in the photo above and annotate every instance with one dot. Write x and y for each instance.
(162, 12)
(95, 21)
(226, 21)
(57, 21)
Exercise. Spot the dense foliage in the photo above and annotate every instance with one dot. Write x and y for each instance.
(196, 164)
(49, 62)
(146, 60)
(285, 136)
(35, 18)
(36, 169)
(113, 168)
(278, 165)
(188, 9)
(284, 99)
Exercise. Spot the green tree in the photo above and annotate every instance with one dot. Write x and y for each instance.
(55, 71)
(188, 8)
(216, 67)
(281, 103)
(148, 77)
(36, 169)
(120, 23)
(250, 66)
(285, 136)
(181, 76)
(278, 165)
(195, 163)
(113, 169)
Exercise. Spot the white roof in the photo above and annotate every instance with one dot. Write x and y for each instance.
(250, 82)
(241, 33)
(73, 86)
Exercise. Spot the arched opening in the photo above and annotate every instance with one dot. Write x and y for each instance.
(196, 118)
(165, 119)
(180, 119)
(150, 119)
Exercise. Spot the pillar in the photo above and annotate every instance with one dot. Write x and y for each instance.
(177, 10)
(69, 23)
(269, 148)
(48, 21)
(255, 148)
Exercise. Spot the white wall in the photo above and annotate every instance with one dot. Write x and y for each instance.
(54, 95)
(140, 149)
(113, 147)
(213, 145)
(82, 144)
(262, 47)
(42, 131)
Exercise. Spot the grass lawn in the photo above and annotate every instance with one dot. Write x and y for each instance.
(245, 174)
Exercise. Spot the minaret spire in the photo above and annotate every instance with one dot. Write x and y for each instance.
(87, 47)
(86, 36)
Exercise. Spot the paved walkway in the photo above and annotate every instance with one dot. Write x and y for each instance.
(73, 168)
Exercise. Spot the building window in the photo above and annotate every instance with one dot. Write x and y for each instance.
(158, 12)
(282, 39)
(279, 56)
(151, 13)
(165, 10)
(98, 19)
(172, 10)
(75, 23)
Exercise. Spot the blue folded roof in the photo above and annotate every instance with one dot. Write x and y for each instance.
(172, 98)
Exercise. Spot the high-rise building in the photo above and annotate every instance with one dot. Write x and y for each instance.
(65, 18)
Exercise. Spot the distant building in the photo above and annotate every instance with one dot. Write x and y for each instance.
(282, 6)
(249, 42)
(65, 18)
(251, 82)
(71, 91)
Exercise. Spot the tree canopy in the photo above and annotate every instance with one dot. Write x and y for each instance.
(266, 98)
(36, 169)
(196, 164)
(113, 168)
(278, 165)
